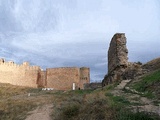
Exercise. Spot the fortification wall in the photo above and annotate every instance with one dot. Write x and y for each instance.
(62, 78)
(33, 76)
(22, 75)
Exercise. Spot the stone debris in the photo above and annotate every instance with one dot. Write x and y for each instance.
(122, 84)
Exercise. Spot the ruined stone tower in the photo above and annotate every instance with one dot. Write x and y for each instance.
(117, 58)
(118, 66)
(117, 53)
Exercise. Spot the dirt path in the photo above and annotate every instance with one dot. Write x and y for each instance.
(41, 113)
(146, 104)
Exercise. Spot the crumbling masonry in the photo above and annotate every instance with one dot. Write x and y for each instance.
(33, 76)
(118, 66)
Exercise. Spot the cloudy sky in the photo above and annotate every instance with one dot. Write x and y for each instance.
(64, 33)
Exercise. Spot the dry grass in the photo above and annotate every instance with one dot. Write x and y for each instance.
(88, 106)
(68, 105)
(152, 65)
(7, 90)
(15, 110)
(15, 102)
(95, 105)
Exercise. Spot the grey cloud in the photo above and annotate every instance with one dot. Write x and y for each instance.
(8, 22)
(57, 33)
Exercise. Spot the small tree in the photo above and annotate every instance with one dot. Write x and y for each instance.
(139, 63)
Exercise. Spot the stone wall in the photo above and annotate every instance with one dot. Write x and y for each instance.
(63, 78)
(42, 79)
(22, 75)
(33, 76)
(84, 77)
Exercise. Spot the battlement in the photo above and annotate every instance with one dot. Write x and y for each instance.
(33, 76)
(18, 74)
(11, 65)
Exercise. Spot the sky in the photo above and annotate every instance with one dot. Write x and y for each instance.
(77, 33)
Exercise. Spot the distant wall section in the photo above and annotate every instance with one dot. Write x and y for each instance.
(84, 77)
(63, 78)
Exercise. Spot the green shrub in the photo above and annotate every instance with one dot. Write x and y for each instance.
(108, 94)
(118, 100)
(111, 86)
(139, 63)
(70, 111)
(145, 85)
(147, 81)
(124, 114)
(148, 95)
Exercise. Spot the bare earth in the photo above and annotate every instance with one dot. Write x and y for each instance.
(41, 113)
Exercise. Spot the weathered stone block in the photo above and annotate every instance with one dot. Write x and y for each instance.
(117, 58)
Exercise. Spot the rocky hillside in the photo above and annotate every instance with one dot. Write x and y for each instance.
(152, 65)
(134, 99)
